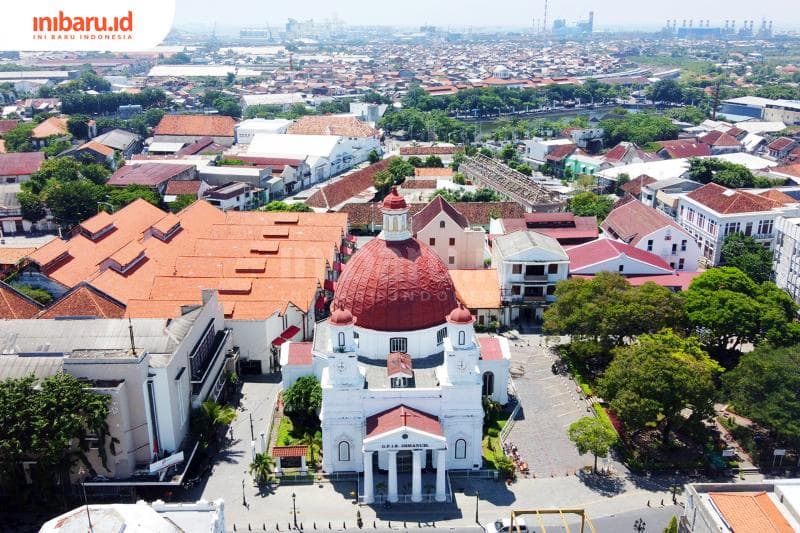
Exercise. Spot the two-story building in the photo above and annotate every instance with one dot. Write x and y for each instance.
(449, 234)
(529, 264)
(652, 231)
(786, 262)
(713, 212)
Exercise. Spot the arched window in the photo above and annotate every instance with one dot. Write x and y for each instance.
(344, 451)
(461, 449)
(462, 338)
(488, 383)
(441, 223)
(341, 338)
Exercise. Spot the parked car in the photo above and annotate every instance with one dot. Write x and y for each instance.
(503, 525)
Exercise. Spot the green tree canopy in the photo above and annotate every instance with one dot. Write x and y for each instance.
(721, 172)
(302, 400)
(727, 309)
(765, 387)
(668, 91)
(587, 204)
(745, 253)
(479, 195)
(72, 202)
(119, 197)
(657, 377)
(277, 205)
(18, 138)
(592, 435)
(639, 128)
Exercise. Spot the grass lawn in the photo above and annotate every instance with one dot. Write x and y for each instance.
(286, 435)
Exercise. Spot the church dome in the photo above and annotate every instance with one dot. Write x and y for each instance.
(393, 200)
(396, 286)
(460, 315)
(341, 317)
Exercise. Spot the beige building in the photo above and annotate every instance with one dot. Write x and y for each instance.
(449, 234)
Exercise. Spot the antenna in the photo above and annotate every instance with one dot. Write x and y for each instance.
(130, 329)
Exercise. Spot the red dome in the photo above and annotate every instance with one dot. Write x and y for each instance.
(341, 317)
(396, 286)
(460, 315)
(394, 200)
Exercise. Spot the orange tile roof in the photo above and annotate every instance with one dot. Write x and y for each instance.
(14, 305)
(200, 125)
(51, 126)
(477, 288)
(85, 300)
(97, 147)
(10, 256)
(750, 511)
(98, 222)
(429, 172)
(332, 125)
(261, 275)
(50, 251)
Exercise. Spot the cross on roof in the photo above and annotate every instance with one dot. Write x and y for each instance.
(404, 414)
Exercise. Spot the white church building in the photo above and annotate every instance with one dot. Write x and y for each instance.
(402, 370)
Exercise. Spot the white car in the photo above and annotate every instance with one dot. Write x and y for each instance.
(503, 525)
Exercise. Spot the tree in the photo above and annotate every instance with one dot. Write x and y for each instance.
(765, 387)
(39, 295)
(78, 126)
(656, 378)
(72, 202)
(433, 161)
(667, 90)
(672, 527)
(383, 181)
(121, 196)
(48, 421)
(277, 205)
(312, 439)
(208, 418)
(181, 202)
(400, 169)
(639, 128)
(262, 467)
(586, 204)
(302, 400)
(32, 207)
(607, 310)
(622, 179)
(745, 253)
(727, 309)
(592, 435)
(721, 172)
(18, 138)
(373, 157)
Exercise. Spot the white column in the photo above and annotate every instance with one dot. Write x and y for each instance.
(278, 470)
(368, 483)
(392, 494)
(416, 476)
(440, 472)
(263, 443)
(303, 467)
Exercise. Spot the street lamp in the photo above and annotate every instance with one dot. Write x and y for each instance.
(639, 525)
(294, 510)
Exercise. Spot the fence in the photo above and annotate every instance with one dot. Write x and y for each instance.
(514, 413)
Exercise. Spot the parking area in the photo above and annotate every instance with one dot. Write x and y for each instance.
(550, 403)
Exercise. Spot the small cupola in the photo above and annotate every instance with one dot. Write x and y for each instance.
(341, 324)
(395, 217)
(459, 327)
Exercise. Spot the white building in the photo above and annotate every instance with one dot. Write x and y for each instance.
(401, 368)
(246, 129)
(448, 232)
(155, 517)
(529, 265)
(326, 155)
(713, 212)
(652, 231)
(786, 263)
(173, 366)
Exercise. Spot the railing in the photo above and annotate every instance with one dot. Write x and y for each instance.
(512, 418)
(535, 277)
(219, 344)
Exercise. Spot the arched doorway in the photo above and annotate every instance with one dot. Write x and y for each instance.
(488, 384)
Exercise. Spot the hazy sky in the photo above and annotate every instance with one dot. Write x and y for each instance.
(460, 13)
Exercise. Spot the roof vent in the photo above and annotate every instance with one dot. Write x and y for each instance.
(166, 228)
(235, 286)
(127, 257)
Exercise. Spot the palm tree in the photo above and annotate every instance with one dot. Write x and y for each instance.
(262, 467)
(313, 441)
(209, 417)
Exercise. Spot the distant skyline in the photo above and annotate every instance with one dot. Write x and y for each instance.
(630, 14)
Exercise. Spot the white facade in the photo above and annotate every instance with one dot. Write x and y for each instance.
(709, 228)
(246, 129)
(529, 265)
(674, 245)
(786, 264)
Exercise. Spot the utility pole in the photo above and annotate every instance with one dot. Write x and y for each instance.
(252, 433)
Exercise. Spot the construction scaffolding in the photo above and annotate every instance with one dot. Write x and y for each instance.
(490, 173)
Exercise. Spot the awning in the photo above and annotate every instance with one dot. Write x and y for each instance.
(337, 266)
(277, 341)
(320, 305)
(329, 285)
(287, 335)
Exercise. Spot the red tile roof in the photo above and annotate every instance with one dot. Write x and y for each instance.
(180, 187)
(428, 150)
(601, 250)
(685, 148)
(778, 196)
(101, 149)
(289, 451)
(676, 280)
(730, 201)
(7, 125)
(718, 138)
(781, 143)
(424, 216)
(402, 417)
(200, 125)
(433, 172)
(347, 187)
(85, 301)
(20, 164)
(564, 227)
(750, 511)
(419, 184)
(147, 174)
(634, 186)
(300, 353)
(633, 221)
(363, 214)
(14, 305)
(490, 348)
(559, 152)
